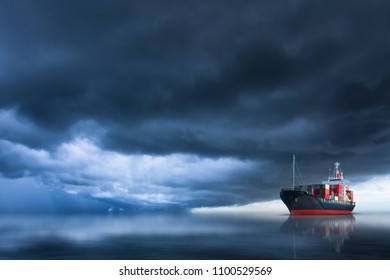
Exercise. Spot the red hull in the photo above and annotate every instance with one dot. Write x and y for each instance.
(320, 212)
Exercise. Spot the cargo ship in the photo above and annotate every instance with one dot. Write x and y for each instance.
(331, 197)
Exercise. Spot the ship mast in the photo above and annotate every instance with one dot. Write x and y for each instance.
(293, 171)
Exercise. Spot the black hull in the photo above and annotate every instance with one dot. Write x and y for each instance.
(301, 203)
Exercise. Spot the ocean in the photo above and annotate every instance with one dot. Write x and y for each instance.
(188, 236)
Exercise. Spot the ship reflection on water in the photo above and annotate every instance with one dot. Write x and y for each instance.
(159, 236)
(335, 229)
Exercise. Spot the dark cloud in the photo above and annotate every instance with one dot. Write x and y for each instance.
(247, 80)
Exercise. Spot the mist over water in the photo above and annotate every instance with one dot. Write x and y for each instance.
(194, 236)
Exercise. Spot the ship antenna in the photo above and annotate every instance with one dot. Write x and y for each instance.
(293, 170)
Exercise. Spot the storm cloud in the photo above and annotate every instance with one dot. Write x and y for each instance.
(225, 92)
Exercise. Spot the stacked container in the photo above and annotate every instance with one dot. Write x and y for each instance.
(326, 195)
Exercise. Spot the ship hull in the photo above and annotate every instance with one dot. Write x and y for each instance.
(303, 203)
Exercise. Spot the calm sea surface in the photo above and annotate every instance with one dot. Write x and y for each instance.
(194, 236)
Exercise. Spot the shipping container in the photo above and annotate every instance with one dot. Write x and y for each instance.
(327, 191)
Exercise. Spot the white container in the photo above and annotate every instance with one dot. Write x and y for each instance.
(326, 187)
(336, 198)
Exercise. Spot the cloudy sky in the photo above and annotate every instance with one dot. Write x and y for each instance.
(182, 104)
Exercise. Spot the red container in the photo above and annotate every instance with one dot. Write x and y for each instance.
(326, 196)
(327, 191)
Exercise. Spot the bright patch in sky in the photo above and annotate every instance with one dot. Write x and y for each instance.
(373, 195)
(274, 206)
